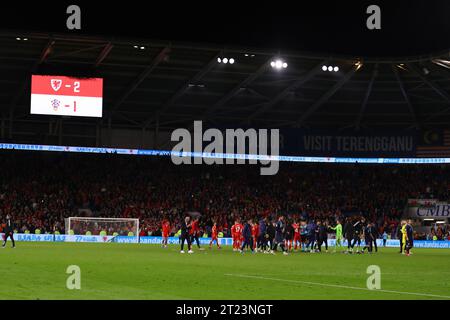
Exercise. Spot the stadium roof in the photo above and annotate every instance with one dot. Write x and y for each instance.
(169, 84)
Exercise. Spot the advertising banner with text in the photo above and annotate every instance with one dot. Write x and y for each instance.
(365, 143)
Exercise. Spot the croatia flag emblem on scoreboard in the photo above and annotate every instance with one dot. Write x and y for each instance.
(67, 96)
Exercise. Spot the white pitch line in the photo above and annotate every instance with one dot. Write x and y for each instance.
(337, 286)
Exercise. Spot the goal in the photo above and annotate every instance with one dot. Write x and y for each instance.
(102, 226)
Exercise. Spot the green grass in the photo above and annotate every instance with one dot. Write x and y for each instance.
(127, 271)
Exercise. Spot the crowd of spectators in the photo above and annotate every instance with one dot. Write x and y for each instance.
(40, 190)
(438, 232)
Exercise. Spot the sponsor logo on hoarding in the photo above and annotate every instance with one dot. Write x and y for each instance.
(203, 241)
(441, 210)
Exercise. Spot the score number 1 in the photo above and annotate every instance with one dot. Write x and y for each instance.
(74, 106)
(76, 88)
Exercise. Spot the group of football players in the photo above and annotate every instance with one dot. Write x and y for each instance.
(307, 236)
(189, 234)
(268, 235)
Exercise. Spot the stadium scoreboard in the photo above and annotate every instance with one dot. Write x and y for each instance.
(66, 96)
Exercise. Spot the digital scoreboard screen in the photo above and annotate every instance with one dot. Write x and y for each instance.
(66, 96)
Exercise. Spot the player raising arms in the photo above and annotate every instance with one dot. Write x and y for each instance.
(214, 236)
(165, 232)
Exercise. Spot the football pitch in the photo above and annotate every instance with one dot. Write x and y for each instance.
(130, 271)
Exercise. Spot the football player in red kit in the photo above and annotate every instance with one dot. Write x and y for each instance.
(214, 234)
(296, 227)
(236, 233)
(165, 232)
(195, 229)
(233, 236)
(240, 237)
(255, 235)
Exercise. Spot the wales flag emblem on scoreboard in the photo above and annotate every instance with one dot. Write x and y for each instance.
(66, 96)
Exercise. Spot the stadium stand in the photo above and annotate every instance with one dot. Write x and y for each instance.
(40, 190)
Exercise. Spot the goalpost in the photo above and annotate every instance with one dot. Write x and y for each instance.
(102, 226)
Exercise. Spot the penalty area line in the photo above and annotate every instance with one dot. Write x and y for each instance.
(337, 286)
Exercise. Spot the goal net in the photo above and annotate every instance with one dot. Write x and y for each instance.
(102, 226)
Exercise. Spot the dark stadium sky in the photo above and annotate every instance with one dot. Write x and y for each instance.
(408, 27)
